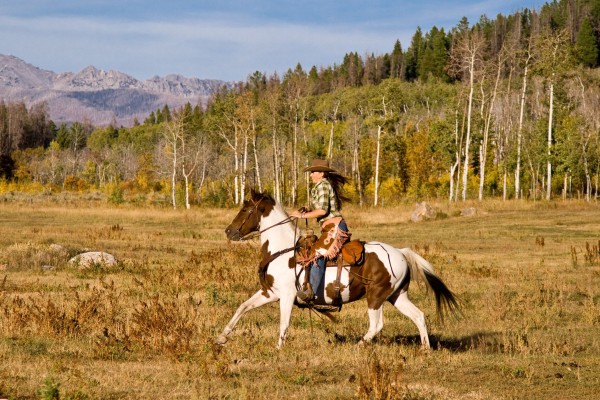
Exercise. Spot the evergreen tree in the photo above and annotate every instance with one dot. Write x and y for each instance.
(413, 55)
(397, 62)
(586, 49)
(63, 137)
(151, 119)
(435, 55)
(166, 113)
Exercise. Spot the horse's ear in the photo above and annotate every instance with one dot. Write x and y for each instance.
(267, 196)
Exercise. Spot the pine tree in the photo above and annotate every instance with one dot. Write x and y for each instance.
(413, 55)
(435, 55)
(586, 49)
(397, 62)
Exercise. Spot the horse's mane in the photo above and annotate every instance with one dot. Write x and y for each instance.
(262, 196)
(267, 198)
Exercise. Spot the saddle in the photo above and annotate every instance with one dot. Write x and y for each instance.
(352, 253)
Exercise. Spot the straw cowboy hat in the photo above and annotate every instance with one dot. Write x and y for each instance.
(319, 166)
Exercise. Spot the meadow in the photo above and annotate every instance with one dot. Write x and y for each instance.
(527, 273)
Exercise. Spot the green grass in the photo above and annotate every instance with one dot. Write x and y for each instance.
(528, 275)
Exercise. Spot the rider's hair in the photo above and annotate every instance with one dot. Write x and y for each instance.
(337, 182)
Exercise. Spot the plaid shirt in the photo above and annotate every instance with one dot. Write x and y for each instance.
(322, 197)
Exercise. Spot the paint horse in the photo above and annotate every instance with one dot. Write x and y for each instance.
(384, 275)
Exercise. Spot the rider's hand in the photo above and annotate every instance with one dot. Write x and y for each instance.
(299, 213)
(296, 214)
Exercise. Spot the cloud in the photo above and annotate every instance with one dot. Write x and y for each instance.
(215, 47)
(223, 40)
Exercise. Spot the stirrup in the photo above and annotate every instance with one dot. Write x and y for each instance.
(306, 296)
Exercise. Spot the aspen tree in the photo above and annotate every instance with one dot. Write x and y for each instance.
(466, 58)
(552, 60)
(172, 134)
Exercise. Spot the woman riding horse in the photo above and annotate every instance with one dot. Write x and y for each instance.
(326, 201)
(384, 276)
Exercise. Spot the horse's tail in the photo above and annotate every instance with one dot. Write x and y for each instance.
(445, 300)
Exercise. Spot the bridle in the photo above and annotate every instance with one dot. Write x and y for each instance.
(255, 233)
(262, 268)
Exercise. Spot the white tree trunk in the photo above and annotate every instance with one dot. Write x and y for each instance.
(331, 131)
(173, 134)
(377, 155)
(455, 169)
(244, 169)
(468, 138)
(452, 173)
(276, 167)
(174, 176)
(236, 161)
(520, 131)
(486, 132)
(256, 165)
(295, 158)
(356, 164)
(549, 163)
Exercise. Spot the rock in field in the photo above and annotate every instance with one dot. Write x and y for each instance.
(93, 258)
(423, 211)
(468, 212)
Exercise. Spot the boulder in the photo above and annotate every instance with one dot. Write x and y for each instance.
(93, 258)
(468, 212)
(423, 211)
(57, 248)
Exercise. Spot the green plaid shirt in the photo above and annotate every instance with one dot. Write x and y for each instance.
(322, 197)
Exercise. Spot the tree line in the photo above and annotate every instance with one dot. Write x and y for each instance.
(502, 108)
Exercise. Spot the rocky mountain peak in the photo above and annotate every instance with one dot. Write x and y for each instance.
(98, 95)
(17, 74)
(92, 78)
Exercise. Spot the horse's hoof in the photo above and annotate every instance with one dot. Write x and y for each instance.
(221, 340)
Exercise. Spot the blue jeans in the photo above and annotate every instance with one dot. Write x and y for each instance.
(317, 269)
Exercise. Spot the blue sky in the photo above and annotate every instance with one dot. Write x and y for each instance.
(217, 39)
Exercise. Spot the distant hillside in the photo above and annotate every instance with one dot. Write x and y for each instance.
(97, 95)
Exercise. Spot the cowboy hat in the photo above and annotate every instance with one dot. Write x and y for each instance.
(319, 166)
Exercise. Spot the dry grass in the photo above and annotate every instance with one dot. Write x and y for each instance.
(528, 275)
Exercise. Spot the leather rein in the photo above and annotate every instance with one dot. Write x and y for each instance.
(264, 263)
(254, 234)
(251, 235)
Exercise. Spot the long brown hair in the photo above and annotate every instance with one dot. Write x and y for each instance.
(337, 183)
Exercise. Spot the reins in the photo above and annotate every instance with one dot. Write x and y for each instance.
(251, 235)
(254, 234)
(267, 260)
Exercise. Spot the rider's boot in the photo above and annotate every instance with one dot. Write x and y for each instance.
(307, 295)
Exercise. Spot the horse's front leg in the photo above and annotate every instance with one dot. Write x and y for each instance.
(286, 304)
(257, 300)
(375, 325)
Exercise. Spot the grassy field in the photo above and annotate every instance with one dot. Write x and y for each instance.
(528, 275)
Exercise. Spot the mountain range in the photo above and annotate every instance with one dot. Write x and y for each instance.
(101, 97)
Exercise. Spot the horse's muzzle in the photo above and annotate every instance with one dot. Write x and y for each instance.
(233, 234)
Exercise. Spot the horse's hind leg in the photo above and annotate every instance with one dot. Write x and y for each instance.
(375, 324)
(258, 299)
(406, 307)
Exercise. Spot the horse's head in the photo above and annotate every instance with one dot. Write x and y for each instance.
(248, 218)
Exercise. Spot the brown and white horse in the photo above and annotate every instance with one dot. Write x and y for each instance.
(384, 276)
